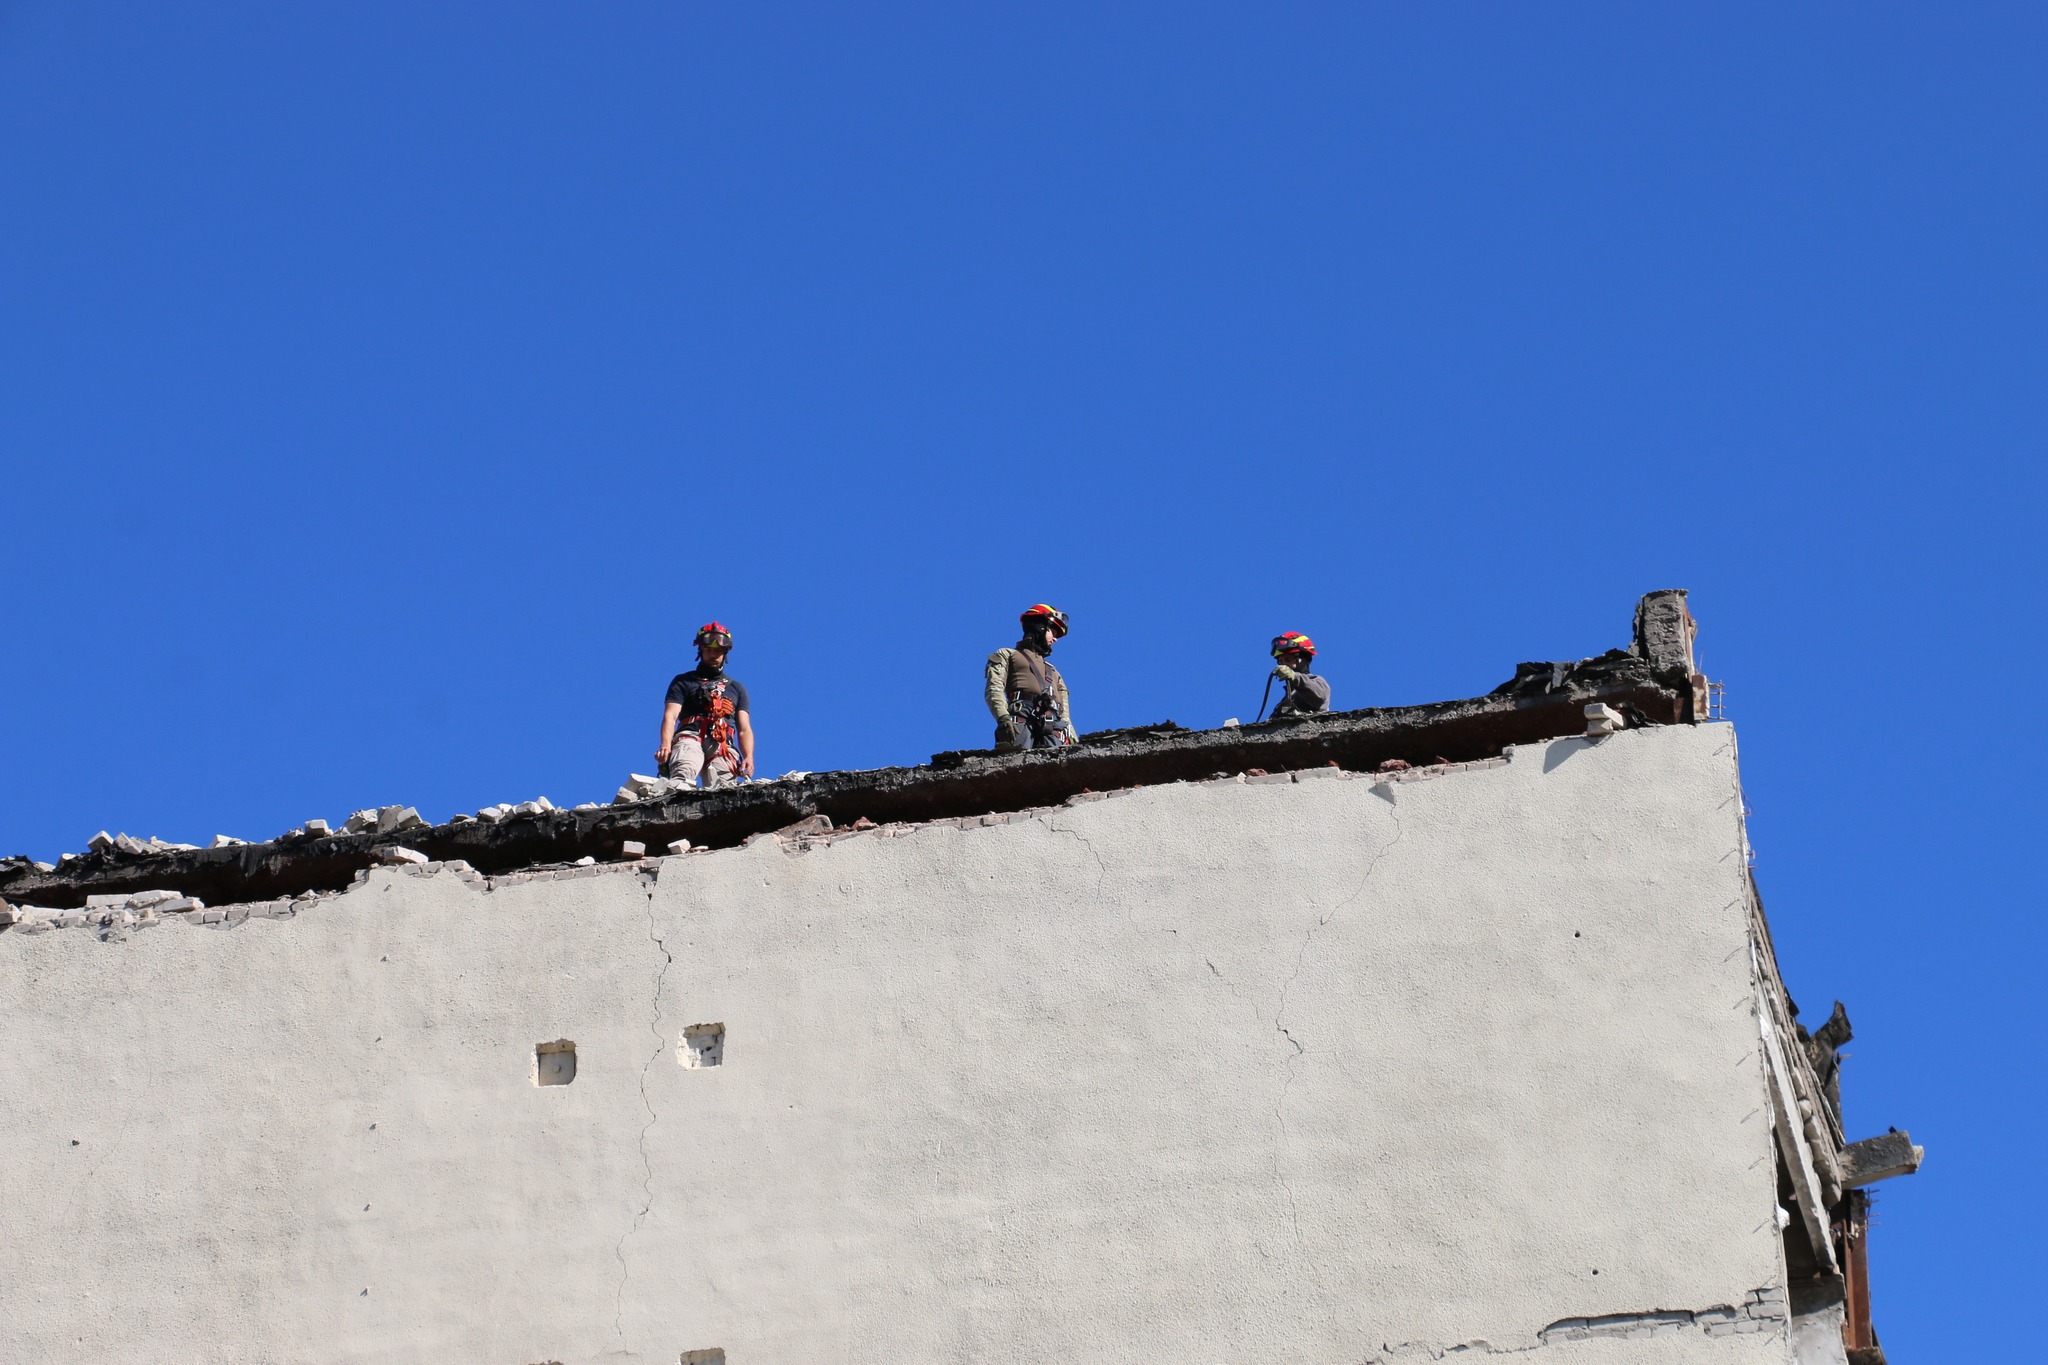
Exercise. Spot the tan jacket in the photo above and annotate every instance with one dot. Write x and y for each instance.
(1008, 674)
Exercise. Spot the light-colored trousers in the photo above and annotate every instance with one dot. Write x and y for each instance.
(686, 760)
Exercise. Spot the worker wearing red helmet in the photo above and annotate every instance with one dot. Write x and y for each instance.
(1306, 694)
(1026, 694)
(707, 726)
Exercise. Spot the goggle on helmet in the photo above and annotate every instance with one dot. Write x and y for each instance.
(1052, 618)
(713, 636)
(1293, 642)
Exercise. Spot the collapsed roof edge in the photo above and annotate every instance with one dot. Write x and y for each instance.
(1651, 682)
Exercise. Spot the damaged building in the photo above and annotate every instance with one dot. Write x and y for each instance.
(1381, 1036)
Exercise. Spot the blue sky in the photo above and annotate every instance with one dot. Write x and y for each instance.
(388, 391)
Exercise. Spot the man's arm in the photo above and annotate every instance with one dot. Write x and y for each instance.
(746, 745)
(998, 696)
(1066, 705)
(670, 713)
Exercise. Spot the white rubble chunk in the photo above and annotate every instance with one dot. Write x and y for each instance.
(395, 854)
(529, 808)
(543, 803)
(105, 902)
(680, 846)
(1602, 719)
(626, 796)
(391, 819)
(179, 905)
(360, 821)
(127, 845)
(318, 828)
(142, 899)
(461, 818)
(227, 841)
(587, 805)
(99, 843)
(630, 849)
(586, 861)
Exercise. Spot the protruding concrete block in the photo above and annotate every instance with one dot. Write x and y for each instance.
(1602, 719)
(679, 846)
(393, 854)
(631, 849)
(1664, 631)
(1880, 1158)
(318, 828)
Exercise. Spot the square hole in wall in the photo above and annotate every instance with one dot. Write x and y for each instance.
(714, 1356)
(703, 1045)
(554, 1063)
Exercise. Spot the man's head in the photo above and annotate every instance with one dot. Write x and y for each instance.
(714, 642)
(1043, 624)
(1295, 650)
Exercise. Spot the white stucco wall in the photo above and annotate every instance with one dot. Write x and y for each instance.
(1329, 1070)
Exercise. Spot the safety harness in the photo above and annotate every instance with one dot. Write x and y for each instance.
(1041, 712)
(715, 728)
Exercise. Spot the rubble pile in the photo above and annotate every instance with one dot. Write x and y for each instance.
(1651, 682)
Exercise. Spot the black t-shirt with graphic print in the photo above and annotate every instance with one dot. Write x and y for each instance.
(694, 690)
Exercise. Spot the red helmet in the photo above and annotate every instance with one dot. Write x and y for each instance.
(712, 635)
(1293, 642)
(1051, 618)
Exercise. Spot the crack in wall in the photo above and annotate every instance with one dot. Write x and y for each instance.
(646, 1160)
(1761, 1310)
(1101, 868)
(1280, 1012)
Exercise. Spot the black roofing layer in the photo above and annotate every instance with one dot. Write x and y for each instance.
(1650, 682)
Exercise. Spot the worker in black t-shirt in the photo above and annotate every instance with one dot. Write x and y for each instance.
(705, 723)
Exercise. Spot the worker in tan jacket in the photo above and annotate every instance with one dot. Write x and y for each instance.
(1026, 694)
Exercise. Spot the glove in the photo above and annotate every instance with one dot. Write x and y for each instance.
(1286, 674)
(1009, 735)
